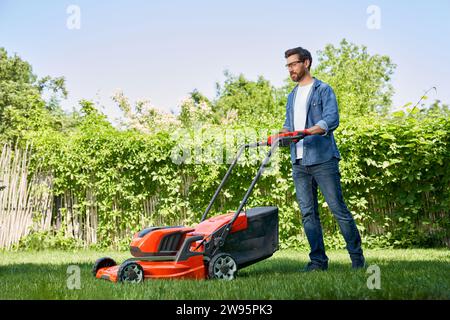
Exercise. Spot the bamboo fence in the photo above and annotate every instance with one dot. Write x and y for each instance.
(24, 204)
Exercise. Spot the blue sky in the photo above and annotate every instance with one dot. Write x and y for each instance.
(162, 50)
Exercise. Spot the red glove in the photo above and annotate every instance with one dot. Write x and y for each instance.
(300, 134)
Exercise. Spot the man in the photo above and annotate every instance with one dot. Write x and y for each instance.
(312, 108)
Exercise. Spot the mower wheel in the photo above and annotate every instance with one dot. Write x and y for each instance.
(102, 263)
(130, 272)
(222, 266)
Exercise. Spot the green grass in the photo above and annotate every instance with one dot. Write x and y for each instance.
(405, 274)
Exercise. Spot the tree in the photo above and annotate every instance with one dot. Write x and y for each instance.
(254, 103)
(22, 106)
(360, 80)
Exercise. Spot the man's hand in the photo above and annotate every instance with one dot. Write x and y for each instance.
(316, 130)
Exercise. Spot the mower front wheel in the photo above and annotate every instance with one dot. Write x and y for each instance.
(102, 263)
(130, 272)
(222, 266)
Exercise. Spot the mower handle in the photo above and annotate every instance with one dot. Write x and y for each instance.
(281, 139)
(285, 138)
(227, 174)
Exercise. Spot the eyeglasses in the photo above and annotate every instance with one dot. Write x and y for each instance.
(292, 64)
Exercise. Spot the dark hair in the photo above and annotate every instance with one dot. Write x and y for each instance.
(303, 54)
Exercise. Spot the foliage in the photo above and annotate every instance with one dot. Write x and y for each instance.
(249, 103)
(395, 174)
(143, 116)
(48, 240)
(22, 106)
(360, 80)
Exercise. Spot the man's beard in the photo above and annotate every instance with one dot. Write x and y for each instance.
(296, 77)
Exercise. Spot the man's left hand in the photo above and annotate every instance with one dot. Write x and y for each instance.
(316, 130)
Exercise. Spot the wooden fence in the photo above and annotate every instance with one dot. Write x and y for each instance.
(27, 203)
(24, 204)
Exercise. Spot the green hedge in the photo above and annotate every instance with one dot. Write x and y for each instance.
(395, 177)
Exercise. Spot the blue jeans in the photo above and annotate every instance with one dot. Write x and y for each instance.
(327, 177)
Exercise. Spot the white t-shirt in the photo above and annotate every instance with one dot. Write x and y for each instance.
(301, 99)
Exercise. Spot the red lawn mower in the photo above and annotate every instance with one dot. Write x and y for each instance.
(216, 248)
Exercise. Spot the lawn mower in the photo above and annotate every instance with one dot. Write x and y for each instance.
(214, 249)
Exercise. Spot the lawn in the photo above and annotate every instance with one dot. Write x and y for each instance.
(404, 274)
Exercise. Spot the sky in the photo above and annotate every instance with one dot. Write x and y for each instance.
(162, 50)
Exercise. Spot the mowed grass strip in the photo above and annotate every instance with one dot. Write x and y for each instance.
(404, 274)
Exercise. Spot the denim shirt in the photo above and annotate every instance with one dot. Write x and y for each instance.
(322, 110)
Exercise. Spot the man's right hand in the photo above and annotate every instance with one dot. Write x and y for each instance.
(284, 143)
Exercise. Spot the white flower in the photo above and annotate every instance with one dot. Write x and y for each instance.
(204, 107)
(231, 116)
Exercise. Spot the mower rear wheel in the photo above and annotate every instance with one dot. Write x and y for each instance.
(102, 263)
(222, 266)
(130, 272)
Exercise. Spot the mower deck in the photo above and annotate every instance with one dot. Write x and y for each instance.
(193, 268)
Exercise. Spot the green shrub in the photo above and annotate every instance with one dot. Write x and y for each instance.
(394, 176)
(43, 240)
